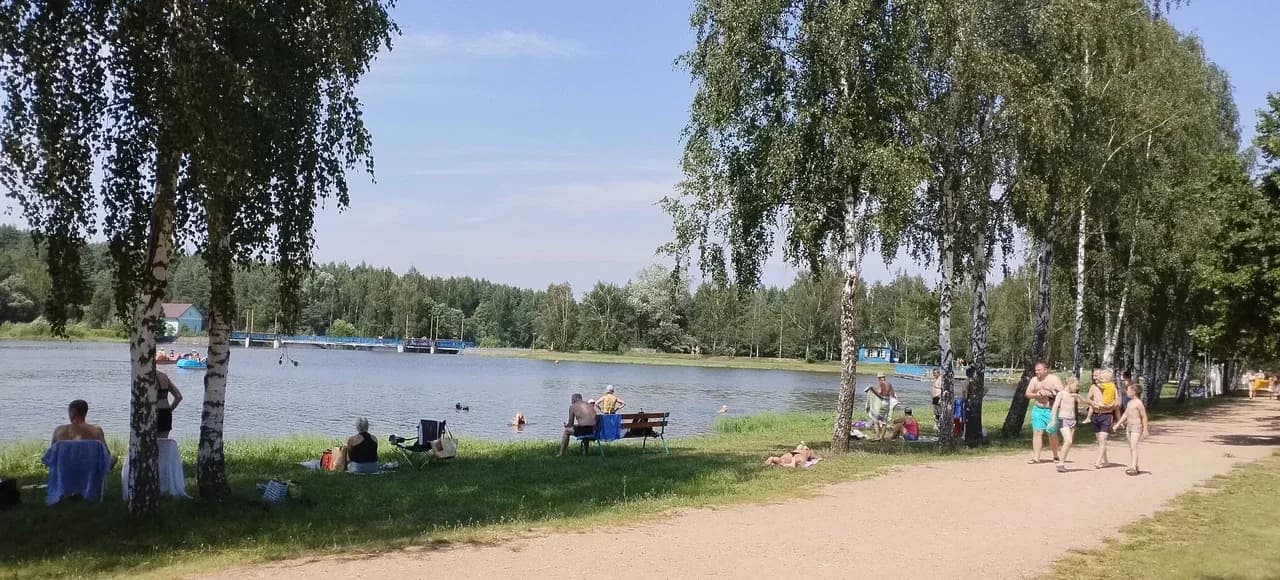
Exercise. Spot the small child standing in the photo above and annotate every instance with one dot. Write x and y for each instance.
(1135, 416)
(1064, 414)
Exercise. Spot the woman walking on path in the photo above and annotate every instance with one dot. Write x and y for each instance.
(1064, 413)
(1135, 414)
(1102, 408)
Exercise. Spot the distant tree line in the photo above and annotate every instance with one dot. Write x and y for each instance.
(658, 309)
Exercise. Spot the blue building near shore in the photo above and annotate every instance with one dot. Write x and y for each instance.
(878, 354)
(179, 316)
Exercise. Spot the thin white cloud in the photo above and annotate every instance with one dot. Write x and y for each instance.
(620, 195)
(495, 44)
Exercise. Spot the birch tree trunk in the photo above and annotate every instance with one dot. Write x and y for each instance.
(978, 340)
(211, 471)
(851, 263)
(946, 263)
(1184, 370)
(1113, 336)
(1040, 339)
(143, 453)
(1077, 338)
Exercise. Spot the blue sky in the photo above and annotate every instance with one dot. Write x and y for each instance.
(527, 142)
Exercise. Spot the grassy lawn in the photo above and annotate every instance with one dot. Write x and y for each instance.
(1229, 530)
(689, 360)
(491, 492)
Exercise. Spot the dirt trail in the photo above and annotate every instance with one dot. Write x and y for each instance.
(771, 540)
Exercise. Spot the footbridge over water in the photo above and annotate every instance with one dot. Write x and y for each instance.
(423, 345)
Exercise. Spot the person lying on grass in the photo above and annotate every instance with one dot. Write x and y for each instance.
(801, 457)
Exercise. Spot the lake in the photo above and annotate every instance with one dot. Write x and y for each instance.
(328, 389)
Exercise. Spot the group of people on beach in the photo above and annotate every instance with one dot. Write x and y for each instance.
(1110, 407)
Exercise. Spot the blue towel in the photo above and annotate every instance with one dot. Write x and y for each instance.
(77, 468)
(610, 426)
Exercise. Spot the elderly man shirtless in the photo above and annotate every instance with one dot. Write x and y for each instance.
(79, 429)
(582, 421)
(1042, 389)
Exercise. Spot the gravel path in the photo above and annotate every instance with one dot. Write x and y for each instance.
(985, 539)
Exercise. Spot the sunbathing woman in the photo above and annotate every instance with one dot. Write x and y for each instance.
(798, 458)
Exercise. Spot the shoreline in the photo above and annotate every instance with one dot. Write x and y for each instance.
(683, 360)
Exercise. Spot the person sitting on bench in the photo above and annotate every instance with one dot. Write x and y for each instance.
(581, 423)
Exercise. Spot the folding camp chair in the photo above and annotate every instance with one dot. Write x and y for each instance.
(420, 450)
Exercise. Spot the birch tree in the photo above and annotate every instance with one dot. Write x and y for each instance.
(204, 132)
(802, 123)
(968, 64)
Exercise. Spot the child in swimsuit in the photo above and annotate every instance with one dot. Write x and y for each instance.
(1135, 415)
(1064, 413)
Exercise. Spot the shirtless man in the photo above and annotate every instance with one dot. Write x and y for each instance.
(1042, 389)
(582, 421)
(78, 429)
(885, 391)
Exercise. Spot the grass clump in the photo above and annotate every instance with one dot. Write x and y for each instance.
(1227, 530)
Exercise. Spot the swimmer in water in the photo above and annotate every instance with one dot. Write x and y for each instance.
(519, 421)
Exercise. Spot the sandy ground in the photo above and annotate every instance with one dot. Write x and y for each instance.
(985, 539)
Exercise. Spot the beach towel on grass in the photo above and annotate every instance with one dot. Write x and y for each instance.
(879, 408)
(77, 468)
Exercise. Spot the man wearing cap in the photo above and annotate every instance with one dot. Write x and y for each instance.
(608, 402)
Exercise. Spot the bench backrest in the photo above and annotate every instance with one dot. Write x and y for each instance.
(656, 420)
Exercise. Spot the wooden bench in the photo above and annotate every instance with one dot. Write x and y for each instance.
(652, 425)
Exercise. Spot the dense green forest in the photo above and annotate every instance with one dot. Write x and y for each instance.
(657, 309)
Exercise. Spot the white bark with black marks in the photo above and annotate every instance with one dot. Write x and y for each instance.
(978, 339)
(144, 472)
(211, 467)
(946, 267)
(1040, 337)
(1077, 337)
(851, 264)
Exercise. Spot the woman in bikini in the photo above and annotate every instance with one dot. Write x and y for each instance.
(168, 399)
(1064, 412)
(797, 458)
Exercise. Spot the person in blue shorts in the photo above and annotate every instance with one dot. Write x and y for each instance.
(1042, 389)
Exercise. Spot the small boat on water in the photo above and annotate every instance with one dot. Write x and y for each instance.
(190, 363)
(164, 359)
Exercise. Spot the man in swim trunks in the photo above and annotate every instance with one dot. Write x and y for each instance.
(1042, 389)
(582, 421)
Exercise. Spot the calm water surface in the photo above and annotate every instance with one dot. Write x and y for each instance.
(330, 388)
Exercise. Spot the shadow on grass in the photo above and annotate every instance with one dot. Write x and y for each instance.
(504, 484)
